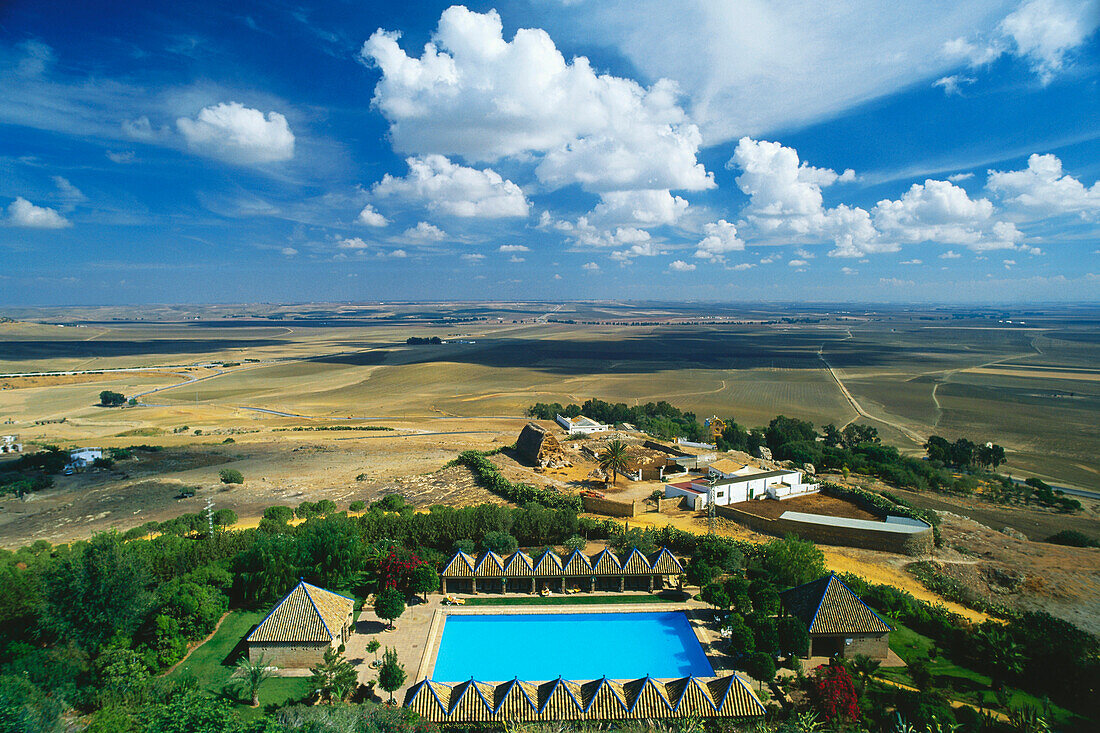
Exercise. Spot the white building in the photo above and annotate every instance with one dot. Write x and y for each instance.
(744, 484)
(581, 425)
(10, 444)
(84, 457)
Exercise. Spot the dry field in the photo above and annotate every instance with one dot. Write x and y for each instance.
(228, 370)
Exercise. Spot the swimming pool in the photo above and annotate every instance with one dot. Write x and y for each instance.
(576, 646)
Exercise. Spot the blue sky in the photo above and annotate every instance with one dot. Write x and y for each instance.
(193, 152)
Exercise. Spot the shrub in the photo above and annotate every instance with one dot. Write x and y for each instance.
(501, 543)
(231, 476)
(1073, 538)
(490, 478)
(280, 514)
(107, 398)
(357, 506)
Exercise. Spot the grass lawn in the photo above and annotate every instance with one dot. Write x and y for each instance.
(964, 684)
(212, 665)
(578, 600)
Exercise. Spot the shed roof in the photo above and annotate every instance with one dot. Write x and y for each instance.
(828, 606)
(307, 613)
(602, 699)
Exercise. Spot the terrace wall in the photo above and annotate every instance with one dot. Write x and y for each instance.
(669, 503)
(868, 539)
(610, 507)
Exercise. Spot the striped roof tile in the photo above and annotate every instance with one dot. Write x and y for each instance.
(606, 563)
(577, 564)
(828, 606)
(519, 565)
(489, 566)
(636, 563)
(460, 566)
(548, 564)
(665, 563)
(595, 700)
(307, 613)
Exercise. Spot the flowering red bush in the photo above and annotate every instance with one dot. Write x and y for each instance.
(394, 571)
(834, 693)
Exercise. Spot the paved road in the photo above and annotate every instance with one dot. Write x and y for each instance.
(1076, 492)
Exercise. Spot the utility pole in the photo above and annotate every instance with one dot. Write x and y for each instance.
(710, 510)
(210, 516)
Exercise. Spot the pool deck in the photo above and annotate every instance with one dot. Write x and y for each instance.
(419, 632)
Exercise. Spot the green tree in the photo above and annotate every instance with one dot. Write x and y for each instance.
(231, 476)
(614, 459)
(391, 675)
(501, 543)
(740, 636)
(761, 666)
(250, 676)
(357, 506)
(224, 518)
(372, 648)
(98, 590)
(791, 561)
(699, 572)
(107, 398)
(423, 579)
(794, 640)
(389, 604)
(574, 543)
(334, 679)
(714, 594)
(24, 708)
(765, 598)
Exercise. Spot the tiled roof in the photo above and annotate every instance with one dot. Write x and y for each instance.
(460, 566)
(606, 563)
(828, 606)
(603, 699)
(665, 563)
(550, 564)
(519, 565)
(489, 566)
(577, 564)
(636, 563)
(308, 613)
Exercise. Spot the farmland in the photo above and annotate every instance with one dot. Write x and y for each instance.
(1031, 386)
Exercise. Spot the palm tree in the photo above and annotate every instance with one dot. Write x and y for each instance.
(252, 675)
(865, 667)
(615, 459)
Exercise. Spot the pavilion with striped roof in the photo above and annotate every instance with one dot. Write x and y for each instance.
(839, 623)
(520, 572)
(301, 627)
(595, 700)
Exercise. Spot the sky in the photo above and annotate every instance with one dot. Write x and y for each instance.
(196, 151)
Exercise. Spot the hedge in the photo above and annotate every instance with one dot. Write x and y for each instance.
(490, 479)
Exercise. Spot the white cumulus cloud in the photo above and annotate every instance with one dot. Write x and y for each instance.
(1044, 189)
(371, 218)
(441, 185)
(680, 266)
(513, 248)
(22, 213)
(238, 134)
(474, 94)
(425, 232)
(720, 239)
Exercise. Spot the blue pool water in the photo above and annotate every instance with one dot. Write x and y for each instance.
(578, 646)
